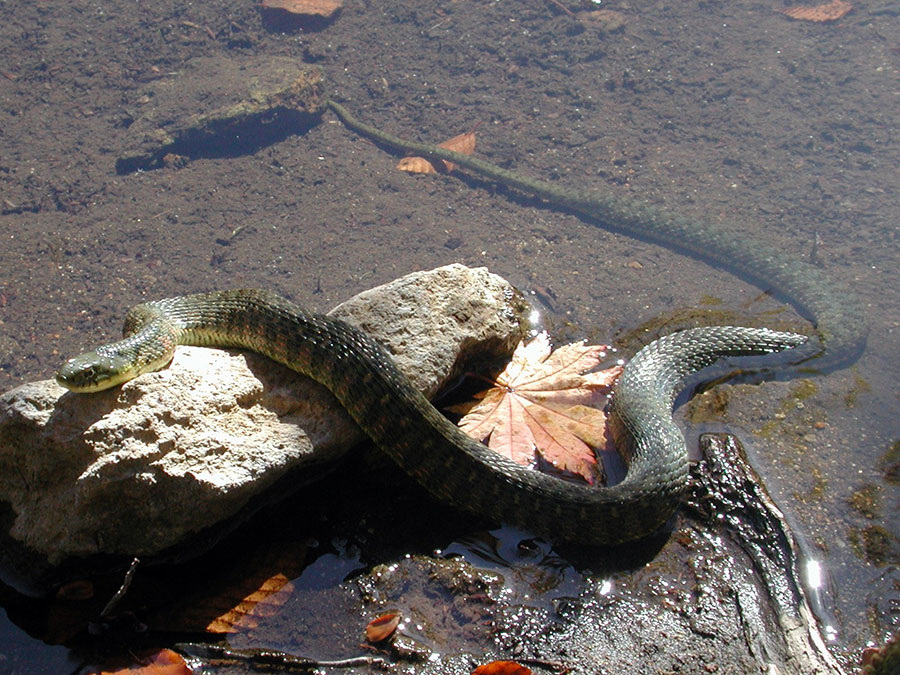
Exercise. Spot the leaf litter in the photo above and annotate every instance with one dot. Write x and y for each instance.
(547, 405)
(830, 11)
(462, 143)
(382, 627)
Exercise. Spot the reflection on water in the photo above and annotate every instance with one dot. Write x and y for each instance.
(813, 579)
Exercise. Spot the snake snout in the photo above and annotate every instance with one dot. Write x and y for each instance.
(90, 372)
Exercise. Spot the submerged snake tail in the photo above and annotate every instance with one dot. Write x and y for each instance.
(840, 326)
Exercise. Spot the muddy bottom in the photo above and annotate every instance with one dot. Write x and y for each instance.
(724, 111)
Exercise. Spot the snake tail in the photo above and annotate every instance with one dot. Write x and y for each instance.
(841, 329)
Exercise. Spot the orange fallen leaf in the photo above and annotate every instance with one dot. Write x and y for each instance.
(162, 662)
(546, 402)
(502, 668)
(831, 11)
(462, 143)
(254, 586)
(607, 20)
(323, 8)
(566, 438)
(416, 165)
(264, 601)
(382, 627)
(80, 589)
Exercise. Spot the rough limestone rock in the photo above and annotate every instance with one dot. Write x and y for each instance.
(147, 466)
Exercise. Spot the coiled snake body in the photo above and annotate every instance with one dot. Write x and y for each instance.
(452, 466)
(429, 447)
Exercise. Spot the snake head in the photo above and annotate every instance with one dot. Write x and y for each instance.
(93, 371)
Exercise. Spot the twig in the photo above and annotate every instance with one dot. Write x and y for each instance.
(216, 655)
(563, 7)
(123, 589)
(197, 26)
(559, 668)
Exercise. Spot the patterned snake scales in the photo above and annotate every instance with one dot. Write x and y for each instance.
(430, 448)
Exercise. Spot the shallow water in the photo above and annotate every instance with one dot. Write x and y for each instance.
(723, 111)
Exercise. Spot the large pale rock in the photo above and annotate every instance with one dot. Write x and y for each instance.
(145, 467)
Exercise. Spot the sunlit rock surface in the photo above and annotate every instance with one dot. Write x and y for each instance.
(167, 457)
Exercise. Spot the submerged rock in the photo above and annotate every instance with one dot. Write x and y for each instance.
(166, 461)
(219, 106)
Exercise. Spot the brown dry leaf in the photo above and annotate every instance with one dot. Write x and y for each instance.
(263, 602)
(323, 8)
(502, 668)
(382, 627)
(254, 585)
(547, 402)
(416, 165)
(831, 11)
(566, 438)
(607, 20)
(161, 662)
(463, 144)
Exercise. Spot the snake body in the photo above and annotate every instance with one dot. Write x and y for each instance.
(431, 449)
(840, 325)
(426, 445)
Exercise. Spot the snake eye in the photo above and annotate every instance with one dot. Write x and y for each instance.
(87, 372)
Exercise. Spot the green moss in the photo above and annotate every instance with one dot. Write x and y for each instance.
(860, 386)
(816, 492)
(803, 389)
(709, 406)
(866, 501)
(874, 544)
(890, 464)
(799, 392)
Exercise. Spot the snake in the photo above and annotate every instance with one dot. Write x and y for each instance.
(434, 451)
(423, 442)
(840, 326)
